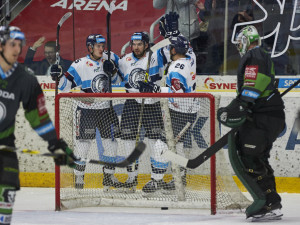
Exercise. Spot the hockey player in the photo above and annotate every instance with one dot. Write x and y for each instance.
(180, 78)
(133, 68)
(91, 73)
(259, 111)
(17, 86)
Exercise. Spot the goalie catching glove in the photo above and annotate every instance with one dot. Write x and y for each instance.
(56, 72)
(62, 154)
(233, 115)
(148, 87)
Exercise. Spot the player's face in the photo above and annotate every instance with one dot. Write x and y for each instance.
(11, 50)
(138, 48)
(50, 54)
(98, 50)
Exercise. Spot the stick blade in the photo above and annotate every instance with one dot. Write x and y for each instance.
(160, 44)
(64, 18)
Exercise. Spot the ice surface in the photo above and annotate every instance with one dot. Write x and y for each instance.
(35, 206)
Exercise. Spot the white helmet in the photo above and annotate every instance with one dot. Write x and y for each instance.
(245, 37)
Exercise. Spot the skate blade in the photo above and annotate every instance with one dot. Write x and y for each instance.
(112, 189)
(129, 190)
(267, 217)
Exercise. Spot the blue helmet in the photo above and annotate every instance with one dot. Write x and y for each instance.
(94, 39)
(143, 36)
(180, 43)
(11, 32)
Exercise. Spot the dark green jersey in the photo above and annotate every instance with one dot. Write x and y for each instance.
(256, 81)
(17, 86)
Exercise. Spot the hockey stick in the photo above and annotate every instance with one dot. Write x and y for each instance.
(135, 154)
(153, 49)
(109, 44)
(60, 23)
(209, 152)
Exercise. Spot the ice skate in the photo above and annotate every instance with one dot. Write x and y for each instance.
(153, 186)
(79, 181)
(110, 182)
(275, 214)
(130, 184)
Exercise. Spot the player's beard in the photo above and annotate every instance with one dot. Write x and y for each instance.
(140, 55)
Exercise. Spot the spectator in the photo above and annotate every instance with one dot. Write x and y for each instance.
(43, 67)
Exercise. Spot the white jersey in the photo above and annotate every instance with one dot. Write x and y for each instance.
(181, 78)
(133, 70)
(89, 76)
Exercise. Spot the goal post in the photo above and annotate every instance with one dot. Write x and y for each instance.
(209, 186)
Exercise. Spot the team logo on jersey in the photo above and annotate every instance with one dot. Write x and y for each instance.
(2, 112)
(251, 72)
(128, 59)
(136, 75)
(100, 83)
(88, 63)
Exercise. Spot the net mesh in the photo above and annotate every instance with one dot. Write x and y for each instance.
(107, 128)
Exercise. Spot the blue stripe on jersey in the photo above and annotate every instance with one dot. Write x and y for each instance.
(182, 80)
(77, 79)
(2, 73)
(159, 165)
(45, 129)
(86, 84)
(64, 84)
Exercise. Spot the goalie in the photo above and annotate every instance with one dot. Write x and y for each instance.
(258, 111)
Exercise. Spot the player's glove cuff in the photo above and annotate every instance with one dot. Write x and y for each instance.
(56, 72)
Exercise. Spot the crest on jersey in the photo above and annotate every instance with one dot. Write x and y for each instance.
(2, 112)
(99, 83)
(136, 75)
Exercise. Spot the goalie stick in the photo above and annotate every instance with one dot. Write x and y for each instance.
(135, 154)
(60, 23)
(209, 152)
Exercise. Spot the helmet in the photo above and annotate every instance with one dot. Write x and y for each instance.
(11, 32)
(143, 36)
(93, 39)
(180, 43)
(245, 37)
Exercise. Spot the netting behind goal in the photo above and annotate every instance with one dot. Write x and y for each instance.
(106, 127)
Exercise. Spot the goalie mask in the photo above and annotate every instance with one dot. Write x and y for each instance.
(247, 36)
(233, 115)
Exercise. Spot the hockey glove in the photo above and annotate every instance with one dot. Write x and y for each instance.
(56, 72)
(63, 155)
(162, 27)
(148, 87)
(109, 67)
(172, 24)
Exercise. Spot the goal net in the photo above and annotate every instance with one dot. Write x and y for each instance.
(107, 127)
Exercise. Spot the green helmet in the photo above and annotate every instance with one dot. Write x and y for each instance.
(245, 37)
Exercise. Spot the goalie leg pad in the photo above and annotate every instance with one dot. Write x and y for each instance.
(251, 185)
(7, 199)
(9, 169)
